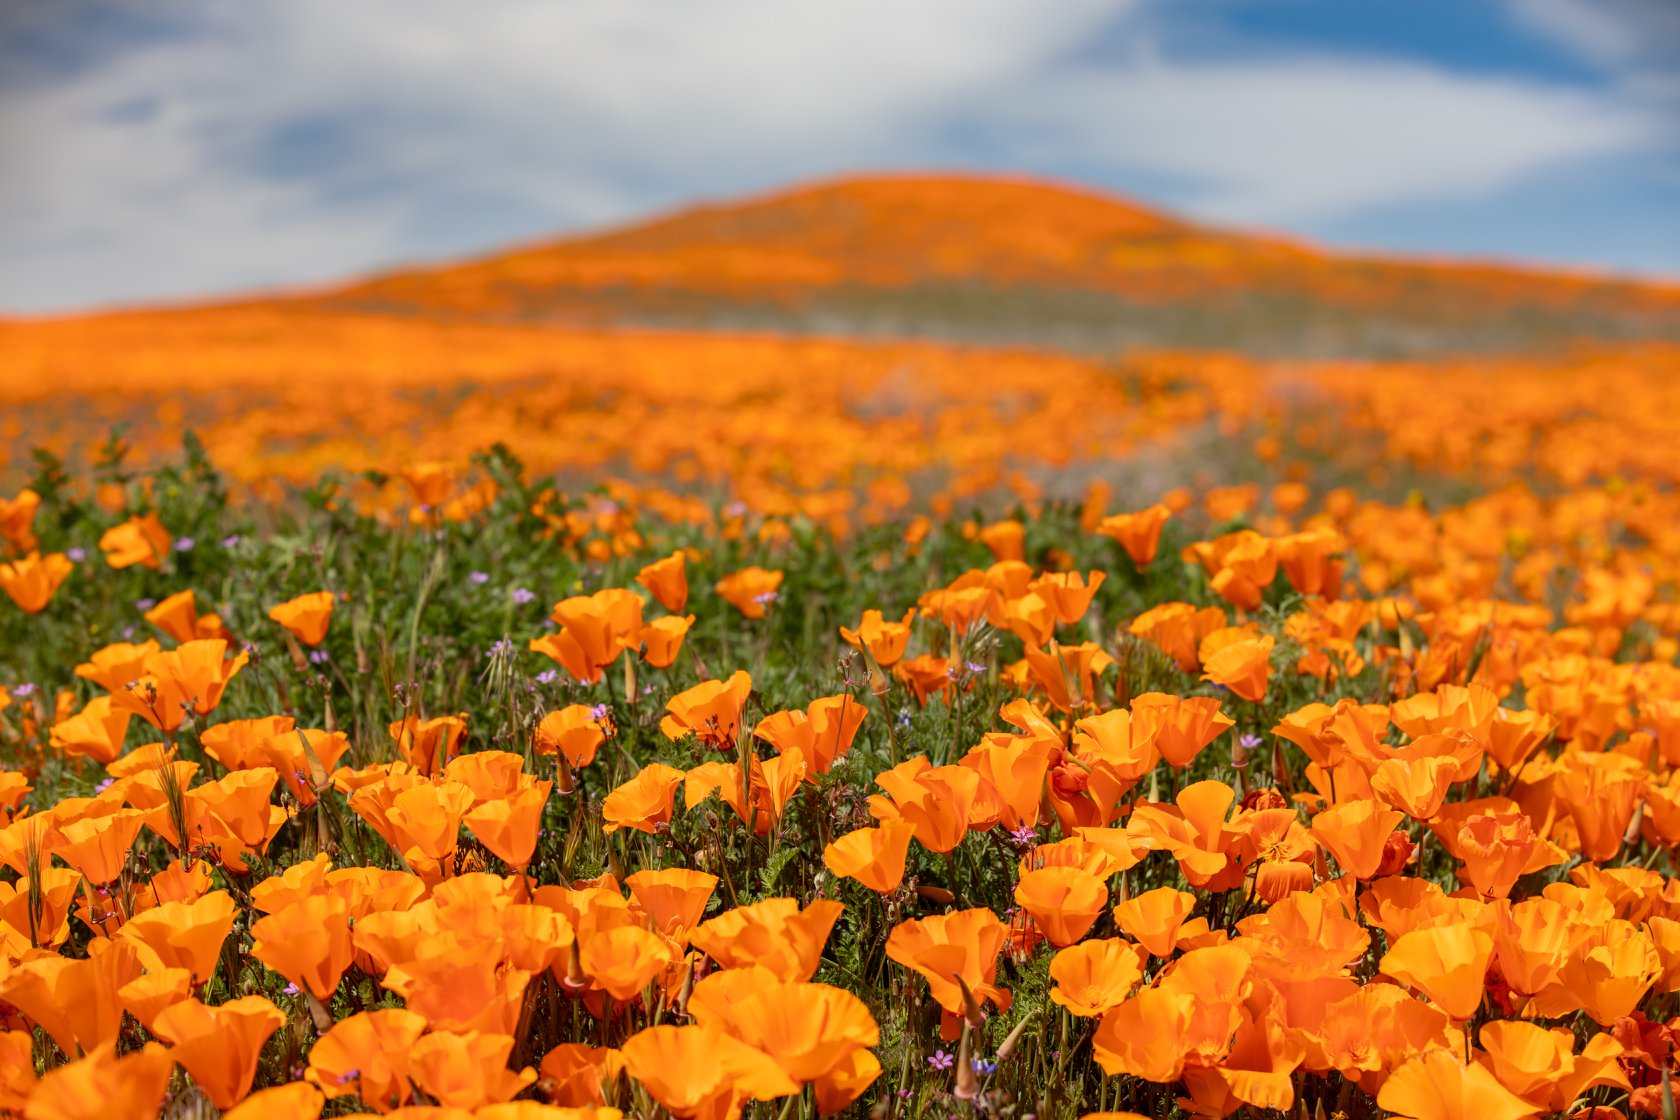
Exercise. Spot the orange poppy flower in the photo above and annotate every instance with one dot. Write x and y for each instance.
(367, 1055)
(308, 942)
(98, 846)
(1068, 594)
(643, 803)
(574, 1075)
(1177, 630)
(1438, 1086)
(750, 590)
(32, 581)
(1064, 901)
(456, 989)
(873, 856)
(139, 540)
(1446, 963)
(189, 679)
(1415, 786)
(822, 733)
(185, 935)
(103, 1084)
(1195, 830)
(466, 1071)
(178, 617)
(427, 744)
(1242, 666)
(508, 826)
(1177, 728)
(1356, 832)
(673, 899)
(145, 996)
(600, 627)
(96, 732)
(1153, 918)
(774, 934)
(575, 731)
(811, 1030)
(667, 579)
(298, 1100)
(1094, 977)
(219, 1045)
(306, 617)
(885, 641)
(17, 520)
(1138, 533)
(710, 711)
(77, 1002)
(116, 666)
(662, 639)
(944, 947)
(937, 800)
(701, 1073)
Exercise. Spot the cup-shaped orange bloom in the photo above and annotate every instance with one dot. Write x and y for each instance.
(306, 616)
(750, 590)
(885, 640)
(576, 732)
(1063, 901)
(1094, 977)
(457, 989)
(1068, 594)
(710, 711)
(115, 666)
(1355, 832)
(644, 802)
(307, 942)
(96, 732)
(32, 581)
(1195, 830)
(145, 996)
(701, 1073)
(426, 744)
(1415, 786)
(1446, 963)
(774, 934)
(1541, 1065)
(601, 625)
(667, 579)
(1606, 974)
(873, 856)
(822, 733)
(139, 540)
(1138, 533)
(99, 846)
(1242, 666)
(185, 935)
(17, 519)
(188, 679)
(367, 1055)
(943, 947)
(577, 1076)
(673, 899)
(298, 1100)
(466, 1071)
(1177, 630)
(178, 617)
(937, 800)
(624, 960)
(220, 1045)
(1177, 727)
(809, 1029)
(77, 1002)
(508, 826)
(427, 819)
(1145, 1036)
(1153, 918)
(103, 1084)
(1437, 1085)
(662, 639)
(1497, 849)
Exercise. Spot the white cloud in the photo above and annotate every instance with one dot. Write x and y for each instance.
(292, 140)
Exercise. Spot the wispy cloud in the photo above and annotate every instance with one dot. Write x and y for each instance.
(280, 141)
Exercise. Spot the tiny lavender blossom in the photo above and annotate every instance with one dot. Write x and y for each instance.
(523, 596)
(185, 544)
(479, 578)
(939, 1059)
(76, 554)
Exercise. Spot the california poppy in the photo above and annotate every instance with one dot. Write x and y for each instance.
(32, 581)
(873, 856)
(139, 540)
(1138, 533)
(306, 617)
(750, 590)
(1063, 901)
(885, 640)
(710, 711)
(219, 1045)
(1093, 977)
(667, 579)
(307, 942)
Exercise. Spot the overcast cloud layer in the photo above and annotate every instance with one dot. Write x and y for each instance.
(208, 147)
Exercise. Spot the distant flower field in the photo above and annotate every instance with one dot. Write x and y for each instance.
(557, 724)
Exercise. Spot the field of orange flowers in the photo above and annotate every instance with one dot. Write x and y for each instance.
(556, 724)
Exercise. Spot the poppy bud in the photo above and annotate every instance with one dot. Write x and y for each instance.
(1397, 851)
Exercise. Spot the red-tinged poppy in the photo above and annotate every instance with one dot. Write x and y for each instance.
(886, 641)
(710, 711)
(219, 1046)
(1138, 533)
(1064, 902)
(643, 803)
(1093, 977)
(750, 590)
(667, 580)
(32, 581)
(306, 617)
(139, 540)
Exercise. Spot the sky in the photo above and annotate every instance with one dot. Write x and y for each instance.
(159, 150)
